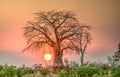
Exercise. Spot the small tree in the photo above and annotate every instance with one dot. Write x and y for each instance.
(81, 40)
(115, 58)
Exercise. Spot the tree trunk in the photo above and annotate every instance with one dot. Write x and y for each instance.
(82, 58)
(57, 57)
(57, 60)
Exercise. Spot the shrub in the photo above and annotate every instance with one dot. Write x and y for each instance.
(115, 71)
(73, 71)
(7, 71)
(2, 73)
(85, 71)
(62, 73)
(45, 71)
(105, 69)
(21, 72)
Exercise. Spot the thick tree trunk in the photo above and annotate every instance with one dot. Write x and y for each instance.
(57, 57)
(57, 60)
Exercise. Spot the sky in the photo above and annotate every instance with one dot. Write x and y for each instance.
(102, 15)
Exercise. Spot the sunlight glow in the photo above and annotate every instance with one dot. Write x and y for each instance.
(47, 57)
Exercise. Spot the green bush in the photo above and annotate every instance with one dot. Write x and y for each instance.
(11, 71)
(73, 71)
(2, 73)
(115, 71)
(62, 73)
(104, 69)
(84, 71)
(7, 71)
(21, 72)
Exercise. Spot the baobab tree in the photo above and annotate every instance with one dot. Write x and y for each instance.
(81, 40)
(52, 28)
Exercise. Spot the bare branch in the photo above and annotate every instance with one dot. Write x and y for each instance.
(45, 35)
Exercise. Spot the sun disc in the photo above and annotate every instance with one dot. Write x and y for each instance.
(47, 57)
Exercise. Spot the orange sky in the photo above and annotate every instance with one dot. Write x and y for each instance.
(103, 15)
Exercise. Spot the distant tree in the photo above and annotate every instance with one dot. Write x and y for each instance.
(81, 40)
(54, 29)
(115, 58)
(110, 61)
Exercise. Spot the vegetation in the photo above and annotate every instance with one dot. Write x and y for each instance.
(116, 71)
(11, 71)
(61, 30)
(101, 70)
(62, 73)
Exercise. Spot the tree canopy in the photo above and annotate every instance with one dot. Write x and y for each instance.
(55, 29)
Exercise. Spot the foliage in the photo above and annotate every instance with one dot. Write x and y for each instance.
(11, 71)
(104, 69)
(101, 70)
(45, 71)
(81, 71)
(7, 70)
(116, 71)
(23, 71)
(62, 73)
(2, 73)
(84, 71)
(73, 72)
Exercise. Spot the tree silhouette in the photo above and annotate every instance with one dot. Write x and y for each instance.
(81, 40)
(52, 28)
(115, 58)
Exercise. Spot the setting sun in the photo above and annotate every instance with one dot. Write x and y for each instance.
(47, 57)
